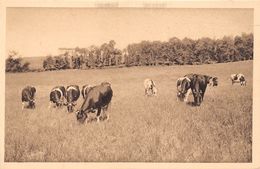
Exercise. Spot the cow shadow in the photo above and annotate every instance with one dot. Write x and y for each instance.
(29, 107)
(94, 119)
(192, 104)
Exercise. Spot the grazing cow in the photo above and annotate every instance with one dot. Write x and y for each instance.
(72, 95)
(57, 96)
(198, 86)
(183, 88)
(28, 95)
(99, 97)
(149, 88)
(238, 78)
(85, 90)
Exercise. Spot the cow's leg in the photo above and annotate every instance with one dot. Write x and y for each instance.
(187, 95)
(202, 95)
(108, 110)
(62, 100)
(107, 113)
(98, 114)
(23, 105)
(49, 105)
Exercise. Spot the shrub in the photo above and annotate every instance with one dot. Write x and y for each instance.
(14, 63)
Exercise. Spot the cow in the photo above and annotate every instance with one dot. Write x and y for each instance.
(183, 88)
(57, 96)
(72, 95)
(85, 90)
(99, 97)
(238, 78)
(198, 86)
(28, 95)
(149, 88)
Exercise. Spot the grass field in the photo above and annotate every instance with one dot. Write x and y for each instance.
(154, 129)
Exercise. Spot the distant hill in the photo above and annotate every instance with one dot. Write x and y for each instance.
(35, 62)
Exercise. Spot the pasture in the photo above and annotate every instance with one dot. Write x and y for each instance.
(140, 129)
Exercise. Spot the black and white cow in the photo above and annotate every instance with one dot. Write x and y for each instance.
(183, 88)
(238, 78)
(28, 95)
(198, 86)
(99, 97)
(149, 88)
(57, 96)
(72, 95)
(85, 90)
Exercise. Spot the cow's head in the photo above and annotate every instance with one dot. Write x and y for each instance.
(242, 80)
(243, 83)
(32, 91)
(81, 116)
(70, 106)
(32, 104)
(213, 81)
(155, 91)
(59, 103)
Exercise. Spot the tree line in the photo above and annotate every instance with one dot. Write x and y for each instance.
(150, 53)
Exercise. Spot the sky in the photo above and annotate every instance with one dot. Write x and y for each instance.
(41, 31)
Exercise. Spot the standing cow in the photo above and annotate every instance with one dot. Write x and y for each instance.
(238, 78)
(99, 97)
(198, 86)
(183, 88)
(85, 90)
(149, 88)
(28, 95)
(57, 96)
(72, 95)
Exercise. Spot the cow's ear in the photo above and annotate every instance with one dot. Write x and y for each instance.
(77, 112)
(207, 78)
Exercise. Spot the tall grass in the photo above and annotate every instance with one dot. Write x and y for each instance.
(154, 129)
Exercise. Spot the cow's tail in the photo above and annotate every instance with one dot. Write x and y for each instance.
(153, 84)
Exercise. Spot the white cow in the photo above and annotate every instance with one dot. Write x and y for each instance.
(238, 78)
(149, 88)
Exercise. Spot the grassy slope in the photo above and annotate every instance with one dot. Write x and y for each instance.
(140, 129)
(35, 62)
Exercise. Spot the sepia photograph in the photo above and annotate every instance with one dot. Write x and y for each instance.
(162, 85)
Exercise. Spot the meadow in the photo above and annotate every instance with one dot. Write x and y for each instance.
(140, 129)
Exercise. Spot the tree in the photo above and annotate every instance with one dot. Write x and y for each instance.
(14, 63)
(225, 49)
(49, 63)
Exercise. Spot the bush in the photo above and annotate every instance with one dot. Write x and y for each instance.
(56, 63)
(14, 63)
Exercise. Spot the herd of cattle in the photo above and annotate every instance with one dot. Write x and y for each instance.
(98, 98)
